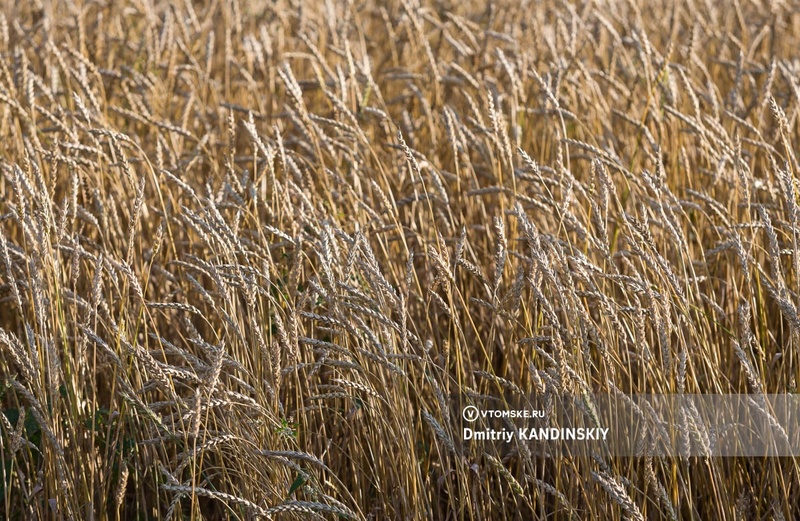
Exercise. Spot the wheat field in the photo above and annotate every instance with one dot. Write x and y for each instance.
(255, 257)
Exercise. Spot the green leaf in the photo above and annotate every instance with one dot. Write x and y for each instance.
(298, 482)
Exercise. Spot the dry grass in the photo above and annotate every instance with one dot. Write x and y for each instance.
(255, 258)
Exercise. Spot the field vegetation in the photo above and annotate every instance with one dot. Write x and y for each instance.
(255, 257)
